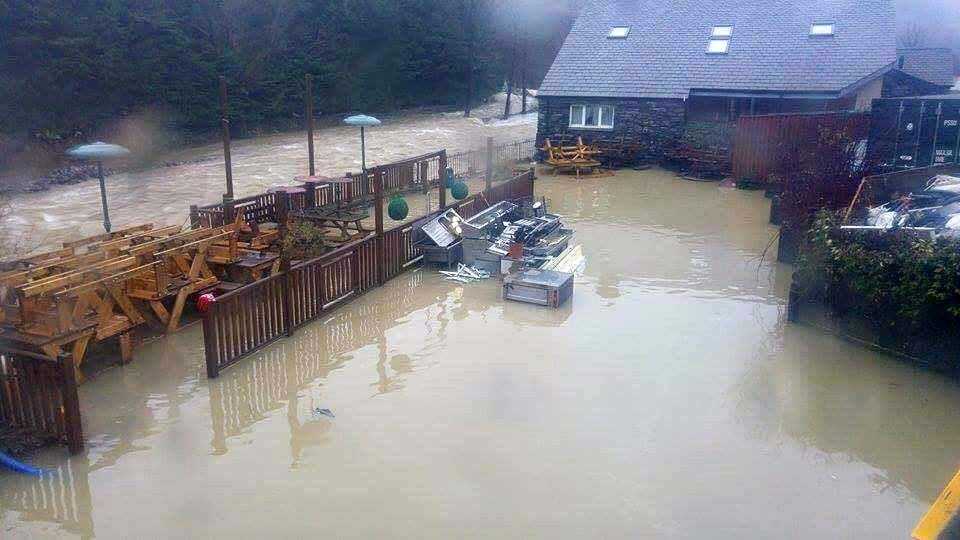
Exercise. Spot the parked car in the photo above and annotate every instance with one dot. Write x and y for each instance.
(936, 207)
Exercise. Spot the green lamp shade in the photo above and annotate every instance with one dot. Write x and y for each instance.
(459, 190)
(398, 209)
(361, 120)
(98, 151)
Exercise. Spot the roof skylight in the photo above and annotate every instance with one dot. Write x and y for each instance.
(718, 46)
(619, 32)
(722, 31)
(821, 29)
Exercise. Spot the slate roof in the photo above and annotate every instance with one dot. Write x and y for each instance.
(934, 65)
(771, 49)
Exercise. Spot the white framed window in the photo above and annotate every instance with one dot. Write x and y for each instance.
(821, 29)
(592, 116)
(718, 46)
(619, 32)
(722, 31)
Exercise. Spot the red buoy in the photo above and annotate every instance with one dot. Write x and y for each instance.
(204, 301)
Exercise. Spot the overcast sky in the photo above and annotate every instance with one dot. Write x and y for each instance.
(941, 17)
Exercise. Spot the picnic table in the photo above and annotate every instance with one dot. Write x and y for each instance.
(342, 219)
(254, 265)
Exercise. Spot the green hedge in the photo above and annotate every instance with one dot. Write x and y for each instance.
(905, 285)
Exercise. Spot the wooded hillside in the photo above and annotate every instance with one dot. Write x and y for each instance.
(71, 65)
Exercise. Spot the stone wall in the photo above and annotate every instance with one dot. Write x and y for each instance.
(652, 122)
(897, 84)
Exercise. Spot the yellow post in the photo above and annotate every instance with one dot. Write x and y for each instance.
(939, 514)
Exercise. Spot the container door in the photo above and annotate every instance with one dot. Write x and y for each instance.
(927, 133)
(908, 131)
(881, 150)
(948, 134)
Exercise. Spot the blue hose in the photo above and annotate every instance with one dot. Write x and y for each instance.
(19, 467)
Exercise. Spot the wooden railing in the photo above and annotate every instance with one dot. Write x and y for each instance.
(38, 394)
(413, 174)
(250, 318)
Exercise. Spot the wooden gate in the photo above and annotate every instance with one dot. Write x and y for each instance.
(763, 144)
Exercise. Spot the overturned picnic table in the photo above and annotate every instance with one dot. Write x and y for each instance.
(574, 158)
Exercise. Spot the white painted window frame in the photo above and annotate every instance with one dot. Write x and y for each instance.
(600, 116)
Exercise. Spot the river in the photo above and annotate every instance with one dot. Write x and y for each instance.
(163, 195)
(669, 399)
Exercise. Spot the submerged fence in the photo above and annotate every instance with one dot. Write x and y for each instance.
(250, 318)
(38, 395)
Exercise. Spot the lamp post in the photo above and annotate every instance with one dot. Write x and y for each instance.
(99, 151)
(363, 121)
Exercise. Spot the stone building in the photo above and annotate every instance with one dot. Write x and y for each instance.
(645, 70)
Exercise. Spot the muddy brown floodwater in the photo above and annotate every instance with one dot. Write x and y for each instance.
(668, 400)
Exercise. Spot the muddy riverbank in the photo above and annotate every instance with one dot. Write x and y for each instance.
(670, 400)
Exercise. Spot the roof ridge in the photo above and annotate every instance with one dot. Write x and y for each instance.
(947, 49)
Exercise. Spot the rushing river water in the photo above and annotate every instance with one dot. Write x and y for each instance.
(164, 195)
(668, 400)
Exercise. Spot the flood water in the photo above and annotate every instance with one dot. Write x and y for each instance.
(163, 196)
(669, 400)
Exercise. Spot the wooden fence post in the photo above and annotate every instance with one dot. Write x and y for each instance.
(71, 405)
(210, 350)
(310, 197)
(194, 216)
(489, 166)
(309, 112)
(286, 283)
(443, 180)
(228, 211)
(425, 175)
(225, 135)
(378, 216)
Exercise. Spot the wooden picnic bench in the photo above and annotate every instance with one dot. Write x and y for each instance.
(573, 158)
(342, 219)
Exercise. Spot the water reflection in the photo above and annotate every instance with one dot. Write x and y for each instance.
(655, 232)
(61, 496)
(670, 377)
(848, 404)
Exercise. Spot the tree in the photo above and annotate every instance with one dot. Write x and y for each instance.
(67, 73)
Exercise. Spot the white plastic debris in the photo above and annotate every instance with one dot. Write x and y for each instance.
(465, 274)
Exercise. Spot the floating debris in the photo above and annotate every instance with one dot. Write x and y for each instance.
(324, 412)
(465, 274)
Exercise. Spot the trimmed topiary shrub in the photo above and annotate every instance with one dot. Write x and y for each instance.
(398, 209)
(459, 190)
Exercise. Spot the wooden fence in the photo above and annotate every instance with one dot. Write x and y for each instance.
(763, 143)
(414, 174)
(271, 383)
(250, 318)
(38, 395)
